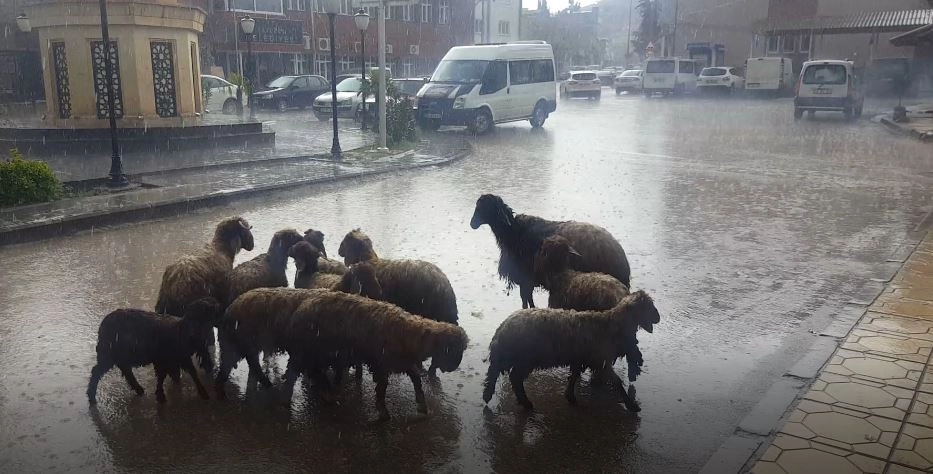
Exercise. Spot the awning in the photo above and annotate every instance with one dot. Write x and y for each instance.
(865, 22)
(924, 34)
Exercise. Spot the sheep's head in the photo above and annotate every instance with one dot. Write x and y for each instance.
(641, 307)
(316, 238)
(199, 318)
(361, 279)
(492, 210)
(305, 256)
(283, 240)
(553, 256)
(235, 231)
(356, 247)
(446, 346)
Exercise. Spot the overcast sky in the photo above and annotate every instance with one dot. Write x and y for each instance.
(554, 5)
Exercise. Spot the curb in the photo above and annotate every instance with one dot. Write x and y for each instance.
(142, 212)
(906, 131)
(757, 429)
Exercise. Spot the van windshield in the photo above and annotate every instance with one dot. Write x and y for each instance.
(660, 66)
(466, 71)
(825, 74)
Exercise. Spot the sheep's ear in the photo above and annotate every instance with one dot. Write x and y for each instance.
(504, 216)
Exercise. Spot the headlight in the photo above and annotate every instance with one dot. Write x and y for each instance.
(459, 102)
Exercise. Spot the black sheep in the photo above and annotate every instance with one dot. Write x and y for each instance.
(520, 236)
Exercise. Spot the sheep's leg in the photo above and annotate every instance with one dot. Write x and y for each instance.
(189, 368)
(570, 393)
(160, 382)
(492, 376)
(324, 388)
(256, 370)
(517, 377)
(229, 355)
(131, 379)
(630, 404)
(419, 391)
(526, 291)
(292, 370)
(96, 373)
(175, 374)
(382, 383)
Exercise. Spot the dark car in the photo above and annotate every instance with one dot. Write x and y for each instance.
(285, 92)
(408, 88)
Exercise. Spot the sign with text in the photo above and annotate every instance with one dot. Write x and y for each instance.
(276, 31)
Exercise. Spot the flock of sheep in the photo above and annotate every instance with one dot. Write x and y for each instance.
(390, 315)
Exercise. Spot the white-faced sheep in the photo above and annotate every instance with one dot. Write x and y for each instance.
(582, 291)
(130, 338)
(266, 270)
(381, 335)
(325, 265)
(532, 339)
(519, 237)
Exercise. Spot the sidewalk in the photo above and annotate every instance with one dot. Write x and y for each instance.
(174, 191)
(920, 125)
(870, 409)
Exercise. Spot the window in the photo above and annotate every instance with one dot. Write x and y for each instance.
(268, 6)
(316, 82)
(773, 43)
(503, 27)
(390, 14)
(686, 66)
(825, 74)
(408, 68)
(443, 12)
(344, 7)
(302, 5)
(462, 71)
(478, 25)
(520, 72)
(426, 14)
(713, 71)
(583, 76)
(496, 77)
(804, 43)
(372, 12)
(321, 65)
(790, 43)
(399, 12)
(661, 66)
(543, 70)
(345, 63)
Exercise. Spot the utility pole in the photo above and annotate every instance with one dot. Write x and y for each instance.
(674, 33)
(628, 41)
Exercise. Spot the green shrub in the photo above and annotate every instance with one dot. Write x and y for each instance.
(400, 121)
(24, 181)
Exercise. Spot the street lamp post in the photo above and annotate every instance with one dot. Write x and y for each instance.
(332, 8)
(362, 23)
(117, 177)
(247, 24)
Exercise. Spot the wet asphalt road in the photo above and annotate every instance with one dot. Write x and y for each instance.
(750, 231)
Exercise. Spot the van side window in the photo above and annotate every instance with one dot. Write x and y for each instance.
(520, 72)
(543, 70)
(686, 66)
(496, 77)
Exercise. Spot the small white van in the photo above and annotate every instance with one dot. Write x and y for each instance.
(771, 75)
(828, 85)
(479, 86)
(669, 76)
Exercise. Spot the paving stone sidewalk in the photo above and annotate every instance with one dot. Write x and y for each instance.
(870, 410)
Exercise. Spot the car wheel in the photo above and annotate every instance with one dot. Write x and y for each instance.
(229, 106)
(281, 105)
(847, 112)
(618, 91)
(798, 113)
(481, 123)
(538, 116)
(597, 96)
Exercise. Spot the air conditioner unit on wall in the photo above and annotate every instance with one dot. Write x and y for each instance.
(414, 49)
(323, 44)
(388, 48)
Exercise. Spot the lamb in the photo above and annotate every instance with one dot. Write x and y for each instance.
(570, 289)
(359, 279)
(520, 236)
(266, 270)
(418, 287)
(383, 336)
(532, 339)
(325, 265)
(130, 338)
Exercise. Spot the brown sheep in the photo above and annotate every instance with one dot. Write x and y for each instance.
(325, 265)
(381, 335)
(533, 339)
(359, 279)
(520, 236)
(570, 289)
(266, 270)
(130, 338)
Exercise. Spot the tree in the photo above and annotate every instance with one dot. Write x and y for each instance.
(650, 27)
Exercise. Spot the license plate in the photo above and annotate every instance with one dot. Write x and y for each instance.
(432, 115)
(658, 79)
(822, 91)
(325, 110)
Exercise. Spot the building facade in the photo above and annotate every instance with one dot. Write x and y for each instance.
(20, 66)
(293, 37)
(497, 21)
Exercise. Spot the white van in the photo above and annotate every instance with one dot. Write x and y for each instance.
(828, 85)
(773, 75)
(479, 86)
(670, 76)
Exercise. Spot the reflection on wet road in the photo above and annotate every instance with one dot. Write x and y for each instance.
(749, 230)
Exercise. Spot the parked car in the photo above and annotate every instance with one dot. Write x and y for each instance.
(771, 75)
(828, 85)
(341, 77)
(285, 92)
(628, 81)
(581, 84)
(723, 79)
(670, 76)
(606, 76)
(349, 101)
(222, 95)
